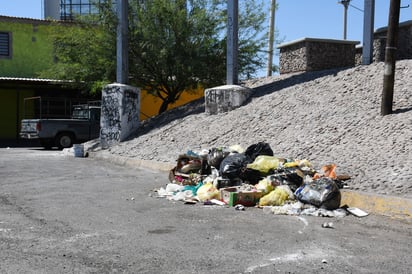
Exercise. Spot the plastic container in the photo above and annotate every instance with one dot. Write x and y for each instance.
(78, 150)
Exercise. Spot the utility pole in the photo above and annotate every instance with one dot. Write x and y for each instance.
(232, 42)
(390, 57)
(345, 4)
(122, 58)
(271, 37)
(368, 24)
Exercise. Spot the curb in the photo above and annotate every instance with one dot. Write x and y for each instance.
(390, 206)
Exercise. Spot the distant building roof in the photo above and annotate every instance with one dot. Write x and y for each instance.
(14, 19)
(4, 18)
(33, 80)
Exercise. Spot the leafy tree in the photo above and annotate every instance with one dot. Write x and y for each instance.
(85, 53)
(174, 46)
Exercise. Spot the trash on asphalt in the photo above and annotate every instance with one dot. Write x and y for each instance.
(234, 177)
(357, 212)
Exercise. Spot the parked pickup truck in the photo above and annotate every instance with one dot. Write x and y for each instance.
(84, 125)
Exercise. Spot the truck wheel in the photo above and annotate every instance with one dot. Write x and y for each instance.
(64, 140)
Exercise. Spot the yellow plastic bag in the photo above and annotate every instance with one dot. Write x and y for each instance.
(298, 163)
(264, 163)
(265, 186)
(207, 192)
(276, 197)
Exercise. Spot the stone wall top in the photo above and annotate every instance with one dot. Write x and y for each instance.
(317, 40)
(404, 24)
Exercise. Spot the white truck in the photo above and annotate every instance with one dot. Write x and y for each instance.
(83, 125)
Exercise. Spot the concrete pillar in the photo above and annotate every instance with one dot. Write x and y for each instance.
(120, 115)
(225, 98)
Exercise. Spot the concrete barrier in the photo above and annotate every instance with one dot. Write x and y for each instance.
(120, 113)
(225, 98)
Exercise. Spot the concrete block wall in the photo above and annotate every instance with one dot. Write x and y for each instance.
(120, 113)
(311, 54)
(404, 42)
(225, 98)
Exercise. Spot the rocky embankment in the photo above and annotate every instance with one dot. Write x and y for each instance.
(326, 117)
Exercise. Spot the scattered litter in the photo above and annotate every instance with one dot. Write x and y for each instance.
(357, 212)
(327, 225)
(217, 202)
(239, 207)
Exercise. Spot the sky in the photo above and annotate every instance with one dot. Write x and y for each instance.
(294, 19)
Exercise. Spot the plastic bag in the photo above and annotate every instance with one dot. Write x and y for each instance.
(207, 192)
(192, 188)
(327, 171)
(265, 186)
(276, 197)
(216, 156)
(264, 163)
(231, 166)
(322, 193)
(249, 175)
(293, 177)
(260, 148)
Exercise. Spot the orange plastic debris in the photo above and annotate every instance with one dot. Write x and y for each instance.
(328, 171)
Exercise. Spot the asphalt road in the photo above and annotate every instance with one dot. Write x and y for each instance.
(60, 214)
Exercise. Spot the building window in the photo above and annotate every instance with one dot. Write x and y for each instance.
(69, 9)
(5, 45)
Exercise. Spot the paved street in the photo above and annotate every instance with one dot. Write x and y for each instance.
(60, 214)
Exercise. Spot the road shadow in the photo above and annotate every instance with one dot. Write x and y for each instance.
(5, 143)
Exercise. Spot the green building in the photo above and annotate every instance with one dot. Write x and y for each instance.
(25, 50)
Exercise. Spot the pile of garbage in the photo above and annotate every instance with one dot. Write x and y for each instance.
(234, 177)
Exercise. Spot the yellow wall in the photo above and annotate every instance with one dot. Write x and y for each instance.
(11, 112)
(149, 104)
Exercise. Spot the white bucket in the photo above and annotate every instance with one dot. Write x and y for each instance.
(78, 150)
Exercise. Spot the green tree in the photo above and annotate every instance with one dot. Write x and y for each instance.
(174, 46)
(85, 53)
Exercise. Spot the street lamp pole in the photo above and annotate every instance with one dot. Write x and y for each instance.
(345, 4)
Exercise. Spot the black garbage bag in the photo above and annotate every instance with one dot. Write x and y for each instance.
(215, 156)
(231, 166)
(293, 177)
(323, 193)
(252, 176)
(260, 148)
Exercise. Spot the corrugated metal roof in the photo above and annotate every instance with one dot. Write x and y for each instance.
(40, 80)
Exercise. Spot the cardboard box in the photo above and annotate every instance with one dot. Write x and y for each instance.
(225, 193)
(233, 196)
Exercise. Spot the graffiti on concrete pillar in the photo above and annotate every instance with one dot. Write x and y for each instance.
(120, 113)
(130, 112)
(110, 116)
